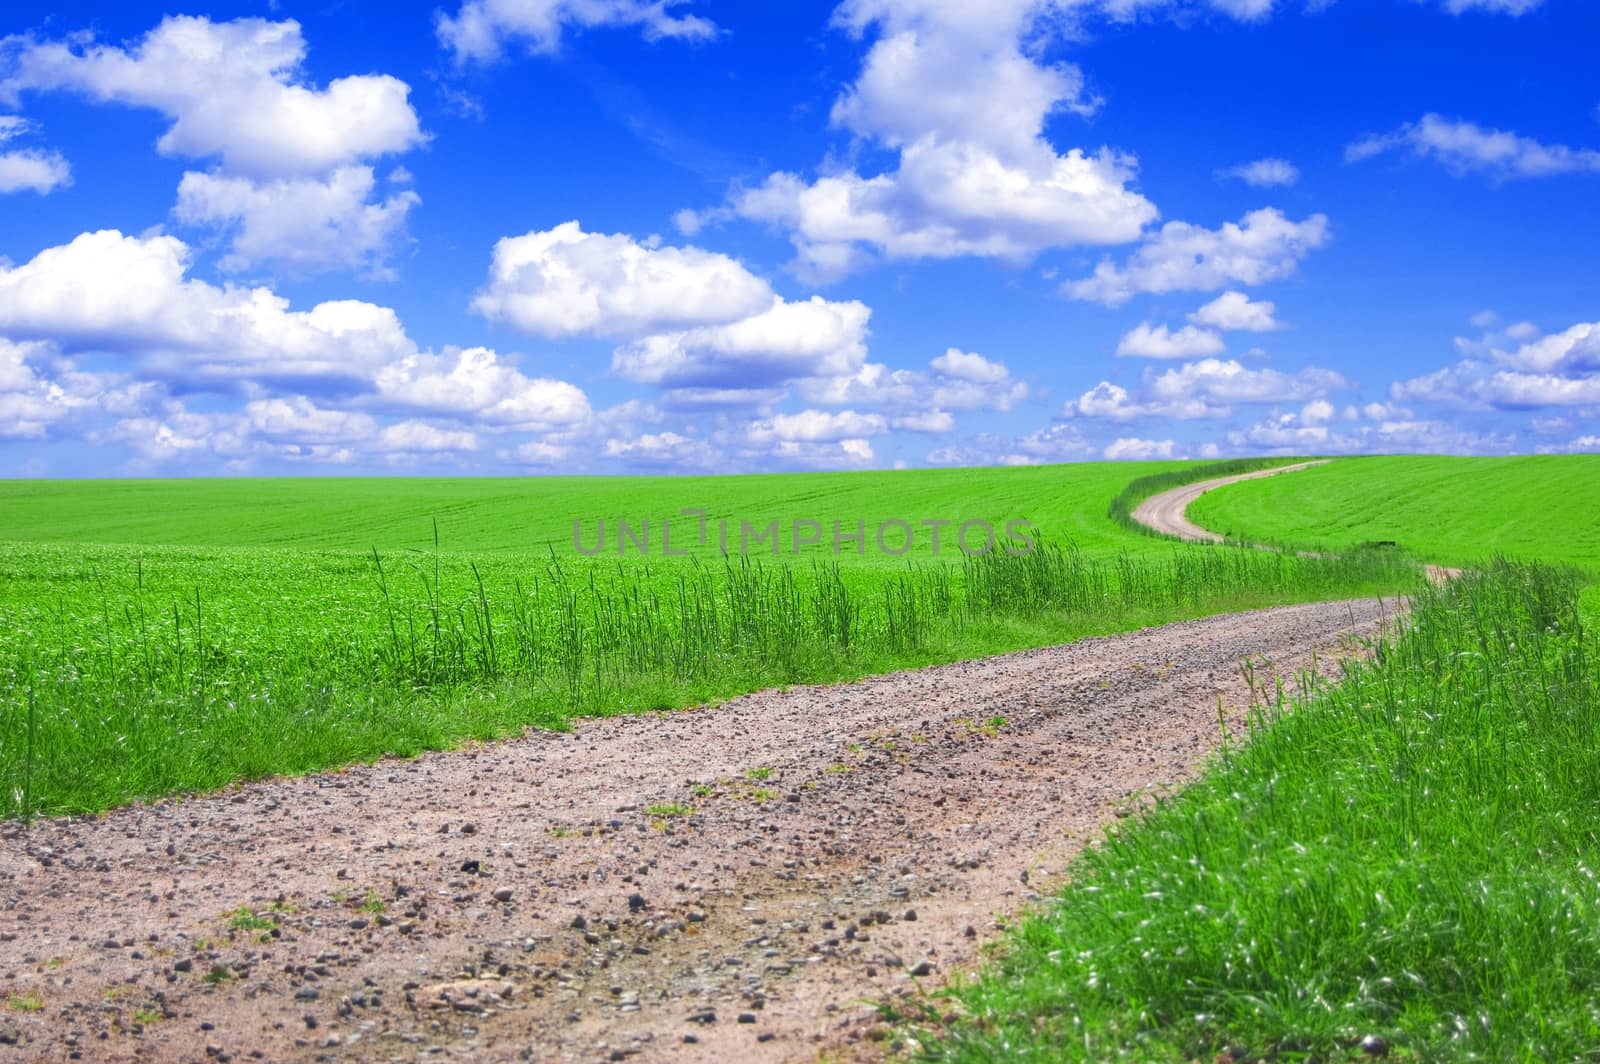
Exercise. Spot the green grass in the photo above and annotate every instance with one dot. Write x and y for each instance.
(1406, 855)
(136, 671)
(527, 516)
(1456, 511)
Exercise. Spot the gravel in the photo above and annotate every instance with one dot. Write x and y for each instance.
(916, 829)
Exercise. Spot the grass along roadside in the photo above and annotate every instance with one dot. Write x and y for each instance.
(116, 685)
(1453, 511)
(1403, 863)
(1142, 488)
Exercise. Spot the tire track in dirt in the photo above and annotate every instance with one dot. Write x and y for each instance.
(520, 900)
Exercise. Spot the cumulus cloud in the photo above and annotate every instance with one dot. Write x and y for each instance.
(818, 426)
(809, 338)
(299, 224)
(1134, 449)
(1227, 381)
(950, 199)
(1236, 312)
(297, 419)
(1562, 369)
(481, 29)
(34, 401)
(954, 91)
(960, 380)
(1579, 445)
(104, 291)
(1464, 147)
(477, 382)
(1263, 246)
(1114, 402)
(1370, 431)
(564, 282)
(1145, 341)
(904, 91)
(419, 437)
(970, 366)
(930, 421)
(288, 184)
(664, 450)
(319, 384)
(30, 169)
(1263, 173)
(233, 91)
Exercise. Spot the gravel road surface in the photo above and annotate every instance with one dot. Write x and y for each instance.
(554, 897)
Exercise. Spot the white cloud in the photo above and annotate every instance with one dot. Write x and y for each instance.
(33, 170)
(905, 90)
(954, 89)
(1463, 147)
(32, 403)
(930, 421)
(419, 437)
(300, 224)
(1264, 173)
(476, 382)
(539, 453)
(297, 419)
(950, 199)
(810, 338)
(129, 299)
(1113, 402)
(1574, 351)
(1056, 443)
(233, 91)
(712, 398)
(1227, 381)
(481, 29)
(1308, 432)
(1506, 7)
(108, 292)
(969, 366)
(960, 380)
(1143, 341)
(1133, 449)
(287, 184)
(1580, 445)
(1562, 369)
(818, 425)
(1263, 246)
(563, 282)
(659, 450)
(30, 169)
(1235, 312)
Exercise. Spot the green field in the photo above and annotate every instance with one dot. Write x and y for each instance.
(1401, 866)
(169, 636)
(524, 515)
(1456, 511)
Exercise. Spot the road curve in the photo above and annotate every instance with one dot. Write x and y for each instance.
(1166, 512)
(716, 884)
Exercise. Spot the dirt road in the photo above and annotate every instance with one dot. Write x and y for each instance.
(1166, 512)
(541, 899)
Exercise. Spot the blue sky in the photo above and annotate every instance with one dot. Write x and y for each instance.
(546, 236)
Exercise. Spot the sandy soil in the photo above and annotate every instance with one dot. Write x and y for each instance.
(521, 900)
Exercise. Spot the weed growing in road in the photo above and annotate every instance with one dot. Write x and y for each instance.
(28, 1001)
